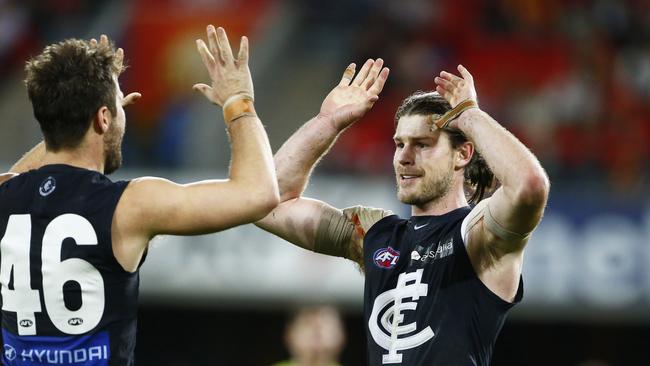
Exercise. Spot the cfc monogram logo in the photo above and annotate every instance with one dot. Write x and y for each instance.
(386, 330)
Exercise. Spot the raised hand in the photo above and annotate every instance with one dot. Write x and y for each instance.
(230, 76)
(354, 96)
(119, 60)
(456, 89)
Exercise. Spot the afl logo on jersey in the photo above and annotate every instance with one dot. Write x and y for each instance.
(48, 186)
(26, 323)
(75, 321)
(385, 258)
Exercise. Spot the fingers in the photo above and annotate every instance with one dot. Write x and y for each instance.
(225, 51)
(372, 74)
(206, 55)
(119, 56)
(445, 87)
(444, 83)
(444, 92)
(103, 40)
(361, 76)
(348, 74)
(242, 56)
(450, 77)
(131, 98)
(212, 41)
(378, 84)
(465, 74)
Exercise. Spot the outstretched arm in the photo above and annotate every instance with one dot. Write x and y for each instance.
(344, 105)
(309, 223)
(151, 206)
(503, 224)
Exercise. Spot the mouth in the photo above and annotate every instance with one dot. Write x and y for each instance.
(408, 177)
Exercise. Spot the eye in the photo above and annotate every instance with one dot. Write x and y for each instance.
(420, 145)
(399, 145)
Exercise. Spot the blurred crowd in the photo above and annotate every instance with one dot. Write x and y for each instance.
(569, 78)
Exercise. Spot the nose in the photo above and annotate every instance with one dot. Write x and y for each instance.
(406, 156)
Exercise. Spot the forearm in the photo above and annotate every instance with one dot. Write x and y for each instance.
(520, 173)
(252, 159)
(31, 160)
(297, 157)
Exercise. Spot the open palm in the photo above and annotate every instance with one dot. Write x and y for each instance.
(354, 96)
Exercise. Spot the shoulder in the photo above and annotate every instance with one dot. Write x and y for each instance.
(6, 176)
(366, 217)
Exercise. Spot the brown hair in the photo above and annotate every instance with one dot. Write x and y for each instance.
(477, 174)
(67, 83)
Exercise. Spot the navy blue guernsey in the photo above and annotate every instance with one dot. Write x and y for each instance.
(65, 298)
(424, 304)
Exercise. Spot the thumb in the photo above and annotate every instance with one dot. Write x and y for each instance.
(131, 98)
(203, 88)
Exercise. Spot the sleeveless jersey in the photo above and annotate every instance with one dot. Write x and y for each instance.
(65, 298)
(424, 304)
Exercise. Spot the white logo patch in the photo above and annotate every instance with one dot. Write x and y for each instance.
(387, 330)
(48, 186)
(418, 227)
(10, 352)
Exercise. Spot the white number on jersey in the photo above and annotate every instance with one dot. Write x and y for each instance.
(25, 301)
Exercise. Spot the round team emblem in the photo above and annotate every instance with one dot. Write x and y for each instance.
(10, 352)
(48, 186)
(385, 258)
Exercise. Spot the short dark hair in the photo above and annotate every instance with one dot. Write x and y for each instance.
(67, 83)
(477, 174)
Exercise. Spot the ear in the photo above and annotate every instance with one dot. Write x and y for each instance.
(464, 154)
(102, 121)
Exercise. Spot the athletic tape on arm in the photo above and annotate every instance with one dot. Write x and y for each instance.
(482, 211)
(335, 230)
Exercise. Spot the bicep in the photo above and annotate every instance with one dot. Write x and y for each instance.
(164, 207)
(498, 226)
(512, 215)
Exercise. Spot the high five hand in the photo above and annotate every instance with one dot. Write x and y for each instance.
(119, 59)
(456, 89)
(354, 96)
(230, 76)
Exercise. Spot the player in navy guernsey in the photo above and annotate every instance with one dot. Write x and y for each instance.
(440, 283)
(72, 240)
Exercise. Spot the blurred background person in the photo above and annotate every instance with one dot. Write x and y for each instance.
(314, 337)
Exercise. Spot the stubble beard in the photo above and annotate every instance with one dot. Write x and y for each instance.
(112, 150)
(429, 190)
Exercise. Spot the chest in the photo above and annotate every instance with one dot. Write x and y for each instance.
(407, 248)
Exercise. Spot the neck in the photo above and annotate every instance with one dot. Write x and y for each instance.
(453, 199)
(84, 156)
